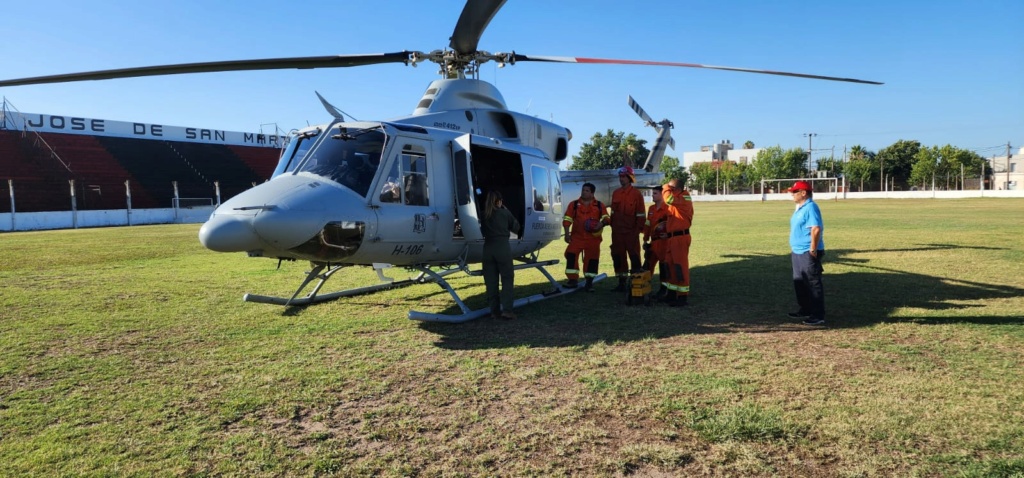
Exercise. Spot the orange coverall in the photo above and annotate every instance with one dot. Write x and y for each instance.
(589, 243)
(627, 223)
(677, 247)
(654, 231)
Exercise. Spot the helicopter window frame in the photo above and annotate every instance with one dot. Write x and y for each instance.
(407, 181)
(296, 146)
(556, 192)
(540, 180)
(463, 195)
(349, 157)
(415, 178)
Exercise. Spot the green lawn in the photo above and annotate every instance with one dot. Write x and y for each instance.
(128, 351)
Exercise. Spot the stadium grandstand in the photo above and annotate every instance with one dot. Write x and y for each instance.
(42, 155)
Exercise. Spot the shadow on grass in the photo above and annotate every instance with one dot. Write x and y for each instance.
(750, 293)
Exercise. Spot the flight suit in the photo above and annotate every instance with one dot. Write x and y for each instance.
(654, 231)
(677, 247)
(581, 240)
(497, 260)
(627, 221)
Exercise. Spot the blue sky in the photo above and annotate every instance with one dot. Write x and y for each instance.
(953, 69)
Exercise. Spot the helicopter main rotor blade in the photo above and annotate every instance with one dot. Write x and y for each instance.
(333, 61)
(570, 59)
(476, 15)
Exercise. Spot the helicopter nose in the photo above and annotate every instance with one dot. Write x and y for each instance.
(237, 225)
(229, 233)
(277, 217)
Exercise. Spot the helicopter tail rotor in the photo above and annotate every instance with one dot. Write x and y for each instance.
(640, 111)
(663, 140)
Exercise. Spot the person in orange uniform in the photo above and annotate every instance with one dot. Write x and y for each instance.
(677, 245)
(628, 217)
(654, 238)
(583, 223)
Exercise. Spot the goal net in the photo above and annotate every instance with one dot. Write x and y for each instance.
(824, 188)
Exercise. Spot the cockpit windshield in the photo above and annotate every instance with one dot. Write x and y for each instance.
(348, 156)
(298, 145)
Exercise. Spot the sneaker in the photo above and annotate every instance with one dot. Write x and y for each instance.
(810, 321)
(799, 315)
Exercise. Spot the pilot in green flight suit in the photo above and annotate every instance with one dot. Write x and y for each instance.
(497, 224)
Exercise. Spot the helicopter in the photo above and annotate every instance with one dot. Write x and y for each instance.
(405, 192)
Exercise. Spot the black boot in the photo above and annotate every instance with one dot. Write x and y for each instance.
(661, 293)
(589, 287)
(680, 301)
(622, 285)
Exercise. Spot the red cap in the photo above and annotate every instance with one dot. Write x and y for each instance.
(800, 186)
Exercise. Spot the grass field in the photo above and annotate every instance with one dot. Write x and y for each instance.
(128, 351)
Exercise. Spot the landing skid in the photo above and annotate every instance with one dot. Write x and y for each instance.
(425, 275)
(314, 296)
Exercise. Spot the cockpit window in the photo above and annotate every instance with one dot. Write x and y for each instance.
(349, 157)
(297, 147)
(407, 181)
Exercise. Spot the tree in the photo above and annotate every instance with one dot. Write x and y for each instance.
(748, 144)
(861, 165)
(606, 151)
(702, 176)
(926, 163)
(671, 169)
(832, 165)
(775, 163)
(957, 163)
(730, 176)
(898, 159)
(747, 179)
(945, 163)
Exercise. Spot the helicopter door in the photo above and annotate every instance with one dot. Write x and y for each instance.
(462, 168)
(406, 205)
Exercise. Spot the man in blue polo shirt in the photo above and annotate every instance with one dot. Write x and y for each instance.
(807, 242)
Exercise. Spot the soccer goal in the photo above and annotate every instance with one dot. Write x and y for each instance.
(824, 188)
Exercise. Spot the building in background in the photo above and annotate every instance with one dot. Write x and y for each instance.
(1007, 172)
(723, 151)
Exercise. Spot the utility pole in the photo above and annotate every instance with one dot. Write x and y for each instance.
(832, 161)
(809, 137)
(981, 179)
(1007, 165)
(881, 172)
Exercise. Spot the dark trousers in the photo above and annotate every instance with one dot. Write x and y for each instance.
(810, 291)
(497, 266)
